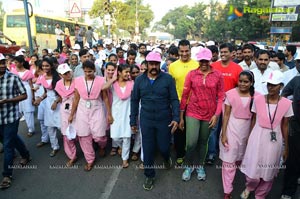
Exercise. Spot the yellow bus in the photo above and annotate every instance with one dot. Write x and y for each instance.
(42, 29)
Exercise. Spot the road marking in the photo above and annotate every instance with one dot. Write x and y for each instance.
(110, 184)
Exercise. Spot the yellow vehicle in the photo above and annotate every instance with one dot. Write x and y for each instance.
(42, 29)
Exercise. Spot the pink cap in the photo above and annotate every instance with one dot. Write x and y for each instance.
(153, 56)
(204, 54)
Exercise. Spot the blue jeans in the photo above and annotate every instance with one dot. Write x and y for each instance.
(213, 140)
(154, 132)
(11, 140)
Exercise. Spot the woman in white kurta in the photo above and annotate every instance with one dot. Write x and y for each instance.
(26, 106)
(120, 129)
(52, 103)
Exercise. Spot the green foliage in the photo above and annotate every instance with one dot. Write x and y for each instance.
(211, 23)
(2, 12)
(124, 14)
(183, 22)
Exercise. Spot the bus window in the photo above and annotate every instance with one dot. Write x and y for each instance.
(16, 21)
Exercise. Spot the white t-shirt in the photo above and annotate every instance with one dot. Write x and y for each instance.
(58, 32)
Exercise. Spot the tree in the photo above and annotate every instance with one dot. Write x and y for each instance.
(2, 13)
(124, 15)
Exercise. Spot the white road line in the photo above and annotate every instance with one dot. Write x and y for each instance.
(110, 184)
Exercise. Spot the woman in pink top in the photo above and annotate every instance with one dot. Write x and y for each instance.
(201, 89)
(237, 116)
(261, 162)
(26, 106)
(66, 88)
(91, 121)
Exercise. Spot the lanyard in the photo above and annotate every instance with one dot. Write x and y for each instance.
(272, 119)
(87, 89)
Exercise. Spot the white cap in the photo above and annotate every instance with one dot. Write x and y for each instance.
(91, 52)
(50, 51)
(63, 68)
(2, 57)
(19, 52)
(276, 77)
(157, 50)
(210, 43)
(108, 41)
(76, 47)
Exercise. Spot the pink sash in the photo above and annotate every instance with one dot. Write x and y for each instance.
(62, 91)
(237, 108)
(261, 110)
(80, 85)
(128, 89)
(26, 76)
(42, 81)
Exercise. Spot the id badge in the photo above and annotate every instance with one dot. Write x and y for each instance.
(88, 104)
(273, 136)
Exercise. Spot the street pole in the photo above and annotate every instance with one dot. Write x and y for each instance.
(28, 26)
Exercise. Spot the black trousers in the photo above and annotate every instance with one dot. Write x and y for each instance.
(292, 171)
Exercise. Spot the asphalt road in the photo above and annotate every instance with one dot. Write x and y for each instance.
(47, 178)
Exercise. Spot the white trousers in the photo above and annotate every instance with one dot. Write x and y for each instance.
(52, 131)
(124, 143)
(29, 118)
(45, 135)
(137, 142)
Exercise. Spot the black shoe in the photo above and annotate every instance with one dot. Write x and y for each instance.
(168, 164)
(148, 184)
(210, 160)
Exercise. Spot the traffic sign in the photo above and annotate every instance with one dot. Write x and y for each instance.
(75, 8)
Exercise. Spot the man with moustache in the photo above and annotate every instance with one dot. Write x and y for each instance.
(262, 72)
(248, 52)
(154, 94)
(12, 91)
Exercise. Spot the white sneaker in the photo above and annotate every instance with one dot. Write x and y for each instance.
(22, 119)
(285, 197)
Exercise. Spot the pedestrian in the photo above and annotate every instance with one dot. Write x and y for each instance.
(237, 116)
(59, 37)
(26, 106)
(230, 72)
(202, 98)
(51, 109)
(84, 56)
(79, 34)
(292, 171)
(12, 91)
(134, 73)
(262, 71)
(66, 88)
(261, 161)
(156, 92)
(89, 36)
(120, 130)
(178, 70)
(89, 109)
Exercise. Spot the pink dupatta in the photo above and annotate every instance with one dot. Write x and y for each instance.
(128, 89)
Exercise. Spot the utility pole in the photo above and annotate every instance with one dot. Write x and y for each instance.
(28, 25)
